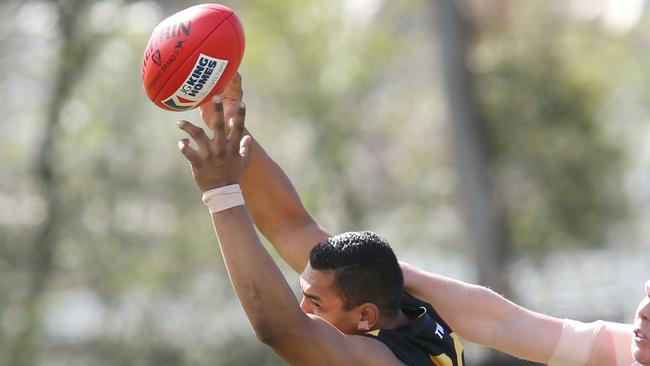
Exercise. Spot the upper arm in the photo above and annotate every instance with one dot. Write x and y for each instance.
(317, 342)
(482, 316)
(461, 305)
(295, 244)
(514, 333)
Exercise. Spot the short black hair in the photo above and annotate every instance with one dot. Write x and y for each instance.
(365, 269)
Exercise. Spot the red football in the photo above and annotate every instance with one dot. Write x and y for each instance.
(191, 56)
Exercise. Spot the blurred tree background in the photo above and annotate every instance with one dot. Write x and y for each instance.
(495, 141)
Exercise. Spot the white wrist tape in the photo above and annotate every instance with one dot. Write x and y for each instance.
(223, 198)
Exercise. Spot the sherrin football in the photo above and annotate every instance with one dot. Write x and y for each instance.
(191, 56)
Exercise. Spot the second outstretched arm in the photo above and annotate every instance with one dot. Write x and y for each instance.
(482, 316)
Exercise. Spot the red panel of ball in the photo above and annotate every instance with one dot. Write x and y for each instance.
(191, 56)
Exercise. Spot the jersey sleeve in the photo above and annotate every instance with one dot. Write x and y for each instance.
(579, 341)
(576, 343)
(621, 335)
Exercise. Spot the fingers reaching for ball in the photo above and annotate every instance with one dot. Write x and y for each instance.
(198, 135)
(232, 96)
(207, 112)
(219, 160)
(230, 99)
(190, 154)
(218, 122)
(236, 128)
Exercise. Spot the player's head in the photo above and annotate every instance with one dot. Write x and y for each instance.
(353, 281)
(641, 344)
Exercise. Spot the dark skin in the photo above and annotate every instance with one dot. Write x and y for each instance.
(298, 337)
(498, 323)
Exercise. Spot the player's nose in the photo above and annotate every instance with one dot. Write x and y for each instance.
(644, 312)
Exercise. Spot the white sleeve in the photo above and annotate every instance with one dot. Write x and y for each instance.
(621, 335)
(576, 343)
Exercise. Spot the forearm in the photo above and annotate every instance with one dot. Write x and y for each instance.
(271, 198)
(257, 281)
(455, 301)
(482, 316)
(270, 306)
(217, 167)
(277, 211)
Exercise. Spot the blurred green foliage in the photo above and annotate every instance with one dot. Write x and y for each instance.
(557, 169)
(345, 94)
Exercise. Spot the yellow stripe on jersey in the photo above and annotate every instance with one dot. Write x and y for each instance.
(374, 332)
(444, 360)
(441, 360)
(458, 345)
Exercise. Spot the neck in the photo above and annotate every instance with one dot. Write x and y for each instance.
(395, 322)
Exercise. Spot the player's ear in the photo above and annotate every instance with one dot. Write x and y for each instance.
(368, 316)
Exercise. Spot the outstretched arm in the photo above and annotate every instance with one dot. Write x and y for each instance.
(474, 312)
(266, 297)
(278, 211)
(271, 199)
(482, 316)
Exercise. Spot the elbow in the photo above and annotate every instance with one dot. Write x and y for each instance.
(264, 335)
(269, 332)
(265, 331)
(276, 334)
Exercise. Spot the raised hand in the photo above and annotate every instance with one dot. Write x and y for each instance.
(219, 161)
(231, 97)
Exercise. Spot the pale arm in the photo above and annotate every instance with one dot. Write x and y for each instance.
(482, 316)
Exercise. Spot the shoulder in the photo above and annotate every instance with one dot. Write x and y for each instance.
(598, 343)
(578, 344)
(371, 351)
(337, 348)
(618, 329)
(612, 345)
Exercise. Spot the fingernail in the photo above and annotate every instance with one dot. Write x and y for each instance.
(242, 105)
(216, 99)
(179, 123)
